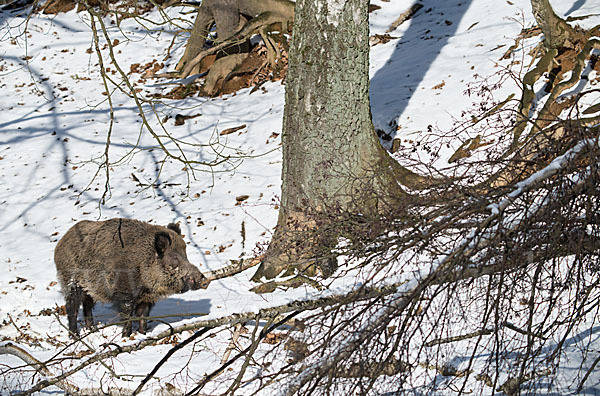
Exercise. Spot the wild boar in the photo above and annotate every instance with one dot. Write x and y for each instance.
(126, 262)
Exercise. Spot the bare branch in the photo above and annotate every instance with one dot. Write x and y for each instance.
(232, 269)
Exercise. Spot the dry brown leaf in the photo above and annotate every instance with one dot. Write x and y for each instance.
(440, 85)
(231, 130)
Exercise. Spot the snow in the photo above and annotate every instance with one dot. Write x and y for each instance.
(54, 119)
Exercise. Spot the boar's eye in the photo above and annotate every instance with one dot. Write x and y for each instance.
(162, 241)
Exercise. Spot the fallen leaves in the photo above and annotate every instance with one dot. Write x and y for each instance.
(60, 310)
(147, 70)
(229, 131)
(274, 338)
(440, 85)
(377, 39)
(241, 198)
(180, 118)
(273, 136)
(465, 150)
(17, 280)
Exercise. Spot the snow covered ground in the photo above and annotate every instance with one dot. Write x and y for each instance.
(54, 121)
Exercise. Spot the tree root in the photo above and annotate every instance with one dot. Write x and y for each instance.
(532, 136)
(544, 65)
(259, 24)
(220, 71)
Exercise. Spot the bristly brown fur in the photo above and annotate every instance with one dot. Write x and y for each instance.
(174, 227)
(126, 262)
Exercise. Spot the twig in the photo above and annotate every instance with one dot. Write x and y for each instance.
(167, 356)
(405, 16)
(448, 340)
(14, 350)
(255, 341)
(235, 268)
(262, 335)
(10, 319)
(231, 346)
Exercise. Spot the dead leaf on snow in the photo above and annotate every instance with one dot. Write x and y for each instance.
(229, 131)
(274, 338)
(465, 150)
(373, 7)
(79, 354)
(380, 39)
(18, 280)
(241, 198)
(440, 85)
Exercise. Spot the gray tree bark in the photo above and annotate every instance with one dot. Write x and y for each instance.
(334, 166)
(557, 32)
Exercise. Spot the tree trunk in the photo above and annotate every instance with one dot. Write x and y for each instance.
(198, 35)
(557, 32)
(333, 163)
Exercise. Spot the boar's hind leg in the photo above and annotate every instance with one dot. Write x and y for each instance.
(88, 305)
(143, 311)
(73, 297)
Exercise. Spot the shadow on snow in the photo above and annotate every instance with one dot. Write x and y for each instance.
(415, 52)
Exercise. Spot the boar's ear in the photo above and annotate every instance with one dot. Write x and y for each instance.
(162, 240)
(174, 227)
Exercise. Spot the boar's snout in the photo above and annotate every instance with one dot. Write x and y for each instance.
(204, 282)
(195, 282)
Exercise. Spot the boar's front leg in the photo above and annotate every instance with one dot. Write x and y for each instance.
(73, 298)
(88, 306)
(142, 311)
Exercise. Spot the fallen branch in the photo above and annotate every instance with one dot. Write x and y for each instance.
(405, 16)
(262, 335)
(445, 271)
(166, 357)
(11, 349)
(449, 268)
(236, 334)
(235, 268)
